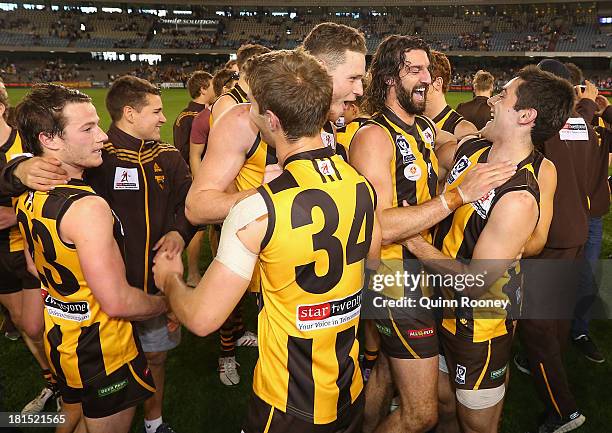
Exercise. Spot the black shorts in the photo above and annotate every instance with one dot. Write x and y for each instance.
(476, 365)
(14, 275)
(408, 333)
(263, 418)
(108, 395)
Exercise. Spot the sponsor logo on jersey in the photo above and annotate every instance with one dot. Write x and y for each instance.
(126, 179)
(420, 333)
(325, 167)
(412, 172)
(483, 204)
(74, 311)
(111, 389)
(385, 330)
(459, 167)
(460, 376)
(499, 373)
(311, 317)
(574, 129)
(428, 135)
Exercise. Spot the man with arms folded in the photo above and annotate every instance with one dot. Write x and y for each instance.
(311, 229)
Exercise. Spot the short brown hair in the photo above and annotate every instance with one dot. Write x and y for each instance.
(295, 87)
(576, 75)
(230, 63)
(440, 67)
(41, 111)
(483, 81)
(221, 78)
(196, 81)
(128, 91)
(552, 97)
(247, 51)
(330, 42)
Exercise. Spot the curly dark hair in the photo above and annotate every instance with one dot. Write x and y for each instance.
(386, 65)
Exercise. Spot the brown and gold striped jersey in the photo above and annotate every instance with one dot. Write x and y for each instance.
(81, 341)
(414, 174)
(345, 134)
(10, 238)
(457, 235)
(448, 119)
(322, 211)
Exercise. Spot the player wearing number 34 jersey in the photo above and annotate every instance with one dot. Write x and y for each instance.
(311, 229)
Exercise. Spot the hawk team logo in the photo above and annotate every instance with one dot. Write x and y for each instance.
(159, 176)
(325, 167)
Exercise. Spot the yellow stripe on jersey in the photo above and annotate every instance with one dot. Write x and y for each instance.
(448, 119)
(457, 235)
(82, 342)
(322, 210)
(12, 149)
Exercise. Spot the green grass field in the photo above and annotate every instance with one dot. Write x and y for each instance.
(197, 402)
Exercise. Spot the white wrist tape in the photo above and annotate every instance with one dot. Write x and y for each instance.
(461, 194)
(232, 252)
(444, 202)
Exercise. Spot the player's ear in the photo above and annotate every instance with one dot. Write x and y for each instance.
(273, 121)
(48, 141)
(527, 116)
(128, 113)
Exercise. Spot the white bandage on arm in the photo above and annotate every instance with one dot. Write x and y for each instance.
(232, 252)
(480, 398)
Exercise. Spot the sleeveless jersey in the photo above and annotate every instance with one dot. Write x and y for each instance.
(448, 119)
(10, 238)
(345, 134)
(457, 235)
(81, 341)
(414, 173)
(322, 211)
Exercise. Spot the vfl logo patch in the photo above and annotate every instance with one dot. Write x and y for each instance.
(483, 204)
(460, 376)
(73, 311)
(310, 317)
(420, 333)
(459, 167)
(126, 178)
(404, 149)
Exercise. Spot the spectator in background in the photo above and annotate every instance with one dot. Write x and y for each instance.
(599, 205)
(477, 110)
(202, 95)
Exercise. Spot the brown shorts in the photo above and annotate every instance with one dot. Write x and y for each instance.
(263, 418)
(14, 275)
(108, 395)
(474, 366)
(408, 333)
